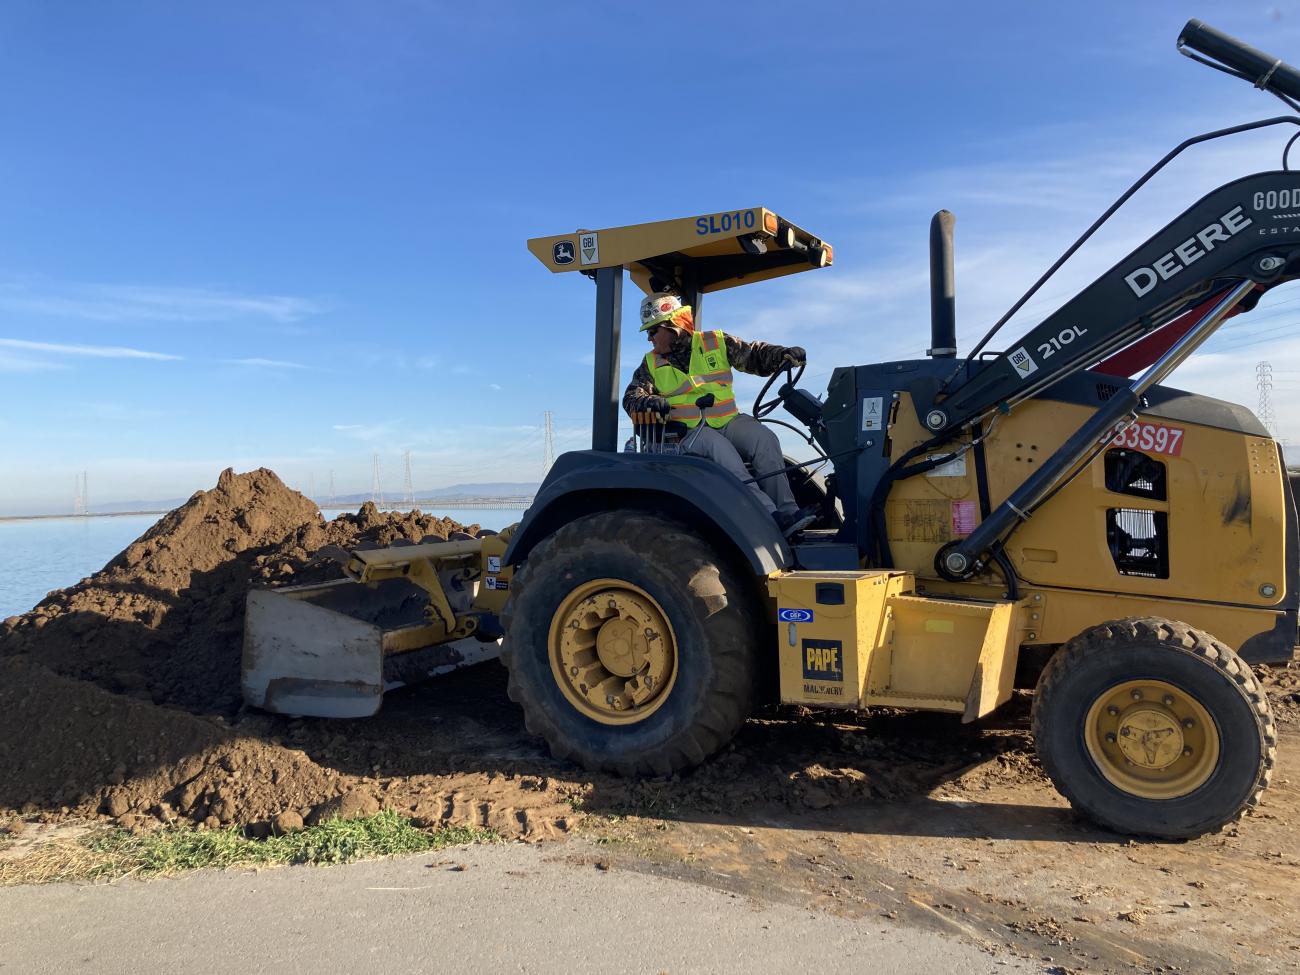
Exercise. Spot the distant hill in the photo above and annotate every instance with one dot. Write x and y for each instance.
(112, 507)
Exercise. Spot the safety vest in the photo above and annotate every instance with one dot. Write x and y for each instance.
(710, 373)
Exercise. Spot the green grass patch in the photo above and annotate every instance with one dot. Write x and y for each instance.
(109, 854)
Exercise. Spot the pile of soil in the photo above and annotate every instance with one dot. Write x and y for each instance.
(119, 696)
(164, 620)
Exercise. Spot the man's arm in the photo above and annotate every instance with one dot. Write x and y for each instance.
(641, 387)
(757, 358)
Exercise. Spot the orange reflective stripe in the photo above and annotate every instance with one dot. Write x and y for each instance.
(710, 341)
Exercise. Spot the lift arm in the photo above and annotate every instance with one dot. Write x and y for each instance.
(1247, 230)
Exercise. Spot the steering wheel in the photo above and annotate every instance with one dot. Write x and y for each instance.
(792, 373)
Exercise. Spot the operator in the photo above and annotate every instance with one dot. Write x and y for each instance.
(685, 365)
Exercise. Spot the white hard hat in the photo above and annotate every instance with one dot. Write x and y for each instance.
(659, 307)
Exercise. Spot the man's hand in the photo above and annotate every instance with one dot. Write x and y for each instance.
(652, 404)
(794, 356)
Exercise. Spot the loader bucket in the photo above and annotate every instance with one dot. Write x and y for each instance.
(331, 650)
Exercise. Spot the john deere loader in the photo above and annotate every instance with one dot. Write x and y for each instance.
(1041, 512)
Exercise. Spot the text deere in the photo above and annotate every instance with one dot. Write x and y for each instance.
(1143, 279)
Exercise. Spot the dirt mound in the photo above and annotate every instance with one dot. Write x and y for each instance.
(97, 680)
(163, 621)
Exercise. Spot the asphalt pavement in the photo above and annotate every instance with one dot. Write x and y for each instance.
(479, 909)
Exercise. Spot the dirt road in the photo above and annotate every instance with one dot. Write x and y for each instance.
(485, 909)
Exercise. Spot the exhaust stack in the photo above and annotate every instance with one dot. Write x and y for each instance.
(943, 297)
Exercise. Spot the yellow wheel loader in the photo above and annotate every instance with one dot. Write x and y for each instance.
(1047, 515)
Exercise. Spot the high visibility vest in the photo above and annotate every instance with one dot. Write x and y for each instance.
(710, 373)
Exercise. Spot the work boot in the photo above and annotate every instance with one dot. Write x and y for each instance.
(792, 520)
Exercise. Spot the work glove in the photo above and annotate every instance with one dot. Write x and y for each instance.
(794, 356)
(650, 403)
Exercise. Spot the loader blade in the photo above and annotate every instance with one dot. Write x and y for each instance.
(331, 650)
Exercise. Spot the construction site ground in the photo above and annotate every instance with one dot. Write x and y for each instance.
(119, 706)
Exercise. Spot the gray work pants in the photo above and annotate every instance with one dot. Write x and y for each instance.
(745, 439)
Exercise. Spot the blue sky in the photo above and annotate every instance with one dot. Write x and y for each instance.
(292, 234)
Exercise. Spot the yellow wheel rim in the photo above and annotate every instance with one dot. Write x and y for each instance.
(612, 651)
(1152, 739)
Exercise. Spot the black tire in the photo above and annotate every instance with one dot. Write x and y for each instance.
(1173, 653)
(716, 620)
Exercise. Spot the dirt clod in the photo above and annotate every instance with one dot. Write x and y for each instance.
(287, 822)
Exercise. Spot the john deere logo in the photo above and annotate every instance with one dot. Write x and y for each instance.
(563, 253)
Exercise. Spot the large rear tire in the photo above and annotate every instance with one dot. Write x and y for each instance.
(632, 646)
(1151, 727)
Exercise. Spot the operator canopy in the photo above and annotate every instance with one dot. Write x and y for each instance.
(691, 254)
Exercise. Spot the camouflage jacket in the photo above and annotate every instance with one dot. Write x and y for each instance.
(755, 358)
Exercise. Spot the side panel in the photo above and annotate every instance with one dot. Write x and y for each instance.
(1222, 506)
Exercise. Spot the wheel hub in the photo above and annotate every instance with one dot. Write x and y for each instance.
(1152, 739)
(612, 651)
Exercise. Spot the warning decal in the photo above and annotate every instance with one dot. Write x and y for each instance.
(590, 249)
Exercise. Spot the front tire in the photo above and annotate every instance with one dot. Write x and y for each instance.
(1151, 727)
(632, 645)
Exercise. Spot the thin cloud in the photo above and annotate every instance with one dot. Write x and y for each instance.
(93, 351)
(115, 303)
(17, 363)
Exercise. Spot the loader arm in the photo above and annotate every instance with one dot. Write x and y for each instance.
(1247, 230)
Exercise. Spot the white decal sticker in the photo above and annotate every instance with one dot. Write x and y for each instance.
(590, 249)
(954, 468)
(494, 563)
(1023, 362)
(491, 582)
(873, 413)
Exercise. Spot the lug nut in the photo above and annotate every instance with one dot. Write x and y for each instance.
(1187, 750)
(1188, 723)
(1136, 695)
(1112, 711)
(1110, 737)
(573, 671)
(1167, 700)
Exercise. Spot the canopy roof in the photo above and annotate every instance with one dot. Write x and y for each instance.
(705, 253)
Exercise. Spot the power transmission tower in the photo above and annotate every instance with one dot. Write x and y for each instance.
(82, 503)
(409, 482)
(376, 489)
(331, 495)
(1264, 383)
(548, 444)
(78, 499)
(311, 487)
